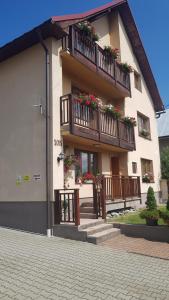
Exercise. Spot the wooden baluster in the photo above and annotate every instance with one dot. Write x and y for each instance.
(77, 207)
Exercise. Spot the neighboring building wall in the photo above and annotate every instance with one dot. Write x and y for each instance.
(142, 102)
(163, 142)
(22, 135)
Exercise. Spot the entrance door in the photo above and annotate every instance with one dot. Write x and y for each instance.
(115, 165)
(116, 183)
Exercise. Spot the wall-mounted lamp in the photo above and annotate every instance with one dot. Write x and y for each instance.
(60, 157)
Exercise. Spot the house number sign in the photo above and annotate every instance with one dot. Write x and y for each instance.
(57, 142)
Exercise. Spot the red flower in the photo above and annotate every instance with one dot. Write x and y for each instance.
(88, 103)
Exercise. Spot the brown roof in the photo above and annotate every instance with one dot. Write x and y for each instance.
(55, 27)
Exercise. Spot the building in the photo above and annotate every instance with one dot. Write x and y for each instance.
(163, 133)
(66, 153)
(163, 130)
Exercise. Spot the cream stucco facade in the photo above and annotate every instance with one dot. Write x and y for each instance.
(23, 124)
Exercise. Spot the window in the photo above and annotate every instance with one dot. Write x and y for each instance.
(137, 81)
(143, 126)
(88, 165)
(134, 167)
(147, 170)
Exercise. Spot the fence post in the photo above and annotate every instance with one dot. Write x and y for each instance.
(77, 207)
(103, 198)
(95, 200)
(57, 207)
(71, 113)
(139, 189)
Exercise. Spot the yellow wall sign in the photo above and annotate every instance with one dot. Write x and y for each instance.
(26, 178)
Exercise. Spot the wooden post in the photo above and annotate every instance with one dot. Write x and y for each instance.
(57, 208)
(103, 198)
(71, 113)
(123, 187)
(139, 189)
(97, 56)
(95, 200)
(77, 207)
(72, 40)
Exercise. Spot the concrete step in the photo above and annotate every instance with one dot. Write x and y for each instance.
(87, 216)
(86, 209)
(87, 204)
(98, 228)
(102, 236)
(91, 223)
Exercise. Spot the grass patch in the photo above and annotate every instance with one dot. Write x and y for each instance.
(133, 218)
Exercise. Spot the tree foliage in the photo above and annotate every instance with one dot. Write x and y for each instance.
(151, 200)
(165, 163)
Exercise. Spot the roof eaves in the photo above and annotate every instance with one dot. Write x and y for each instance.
(89, 13)
(141, 56)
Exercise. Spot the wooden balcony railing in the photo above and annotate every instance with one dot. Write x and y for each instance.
(78, 43)
(66, 208)
(97, 125)
(121, 187)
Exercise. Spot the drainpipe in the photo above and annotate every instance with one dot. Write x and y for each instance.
(47, 115)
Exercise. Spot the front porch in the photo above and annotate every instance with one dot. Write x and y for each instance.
(108, 193)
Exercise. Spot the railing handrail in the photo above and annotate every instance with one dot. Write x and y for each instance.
(96, 48)
(73, 113)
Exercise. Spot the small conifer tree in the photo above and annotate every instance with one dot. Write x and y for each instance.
(151, 200)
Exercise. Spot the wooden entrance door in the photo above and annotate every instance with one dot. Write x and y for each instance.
(115, 166)
(116, 181)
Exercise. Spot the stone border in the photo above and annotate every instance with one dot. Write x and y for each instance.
(152, 233)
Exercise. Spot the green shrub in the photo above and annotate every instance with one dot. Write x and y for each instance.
(164, 215)
(149, 214)
(167, 206)
(151, 203)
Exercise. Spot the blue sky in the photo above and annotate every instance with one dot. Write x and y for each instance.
(152, 19)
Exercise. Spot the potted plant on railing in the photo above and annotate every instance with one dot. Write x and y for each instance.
(151, 213)
(88, 178)
(165, 214)
(112, 111)
(145, 133)
(147, 178)
(88, 100)
(88, 31)
(110, 54)
(125, 67)
(129, 121)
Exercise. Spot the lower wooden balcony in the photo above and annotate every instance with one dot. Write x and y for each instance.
(82, 121)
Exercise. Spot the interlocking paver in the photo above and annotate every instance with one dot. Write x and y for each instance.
(139, 245)
(35, 267)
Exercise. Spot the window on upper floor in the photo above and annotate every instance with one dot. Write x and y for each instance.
(137, 81)
(147, 170)
(134, 167)
(143, 126)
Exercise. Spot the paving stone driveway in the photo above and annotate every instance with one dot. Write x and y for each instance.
(138, 245)
(36, 267)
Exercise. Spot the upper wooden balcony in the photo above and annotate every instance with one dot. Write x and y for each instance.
(92, 57)
(82, 121)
